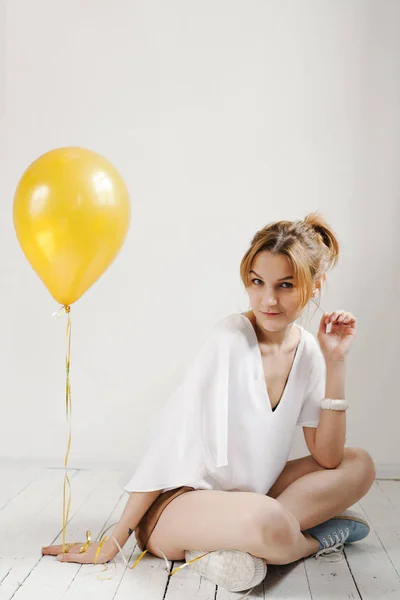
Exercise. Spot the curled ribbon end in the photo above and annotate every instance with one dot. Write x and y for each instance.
(64, 309)
(88, 540)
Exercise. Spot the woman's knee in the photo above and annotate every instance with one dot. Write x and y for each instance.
(363, 467)
(272, 526)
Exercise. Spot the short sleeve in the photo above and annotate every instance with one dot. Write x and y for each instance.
(315, 390)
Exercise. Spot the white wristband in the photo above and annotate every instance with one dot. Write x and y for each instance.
(330, 404)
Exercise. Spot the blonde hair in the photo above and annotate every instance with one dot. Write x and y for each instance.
(310, 245)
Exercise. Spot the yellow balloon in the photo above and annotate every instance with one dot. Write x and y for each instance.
(71, 216)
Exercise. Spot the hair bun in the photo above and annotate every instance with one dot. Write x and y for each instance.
(328, 237)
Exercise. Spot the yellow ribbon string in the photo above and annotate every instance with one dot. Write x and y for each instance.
(189, 562)
(68, 407)
(67, 483)
(106, 569)
(138, 560)
(99, 548)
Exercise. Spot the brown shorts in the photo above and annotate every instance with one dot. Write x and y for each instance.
(149, 520)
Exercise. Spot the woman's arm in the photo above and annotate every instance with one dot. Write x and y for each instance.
(137, 505)
(326, 442)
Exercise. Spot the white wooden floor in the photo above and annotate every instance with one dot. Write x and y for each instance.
(30, 516)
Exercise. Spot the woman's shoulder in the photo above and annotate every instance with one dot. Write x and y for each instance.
(233, 326)
(309, 339)
(311, 348)
(223, 342)
(230, 331)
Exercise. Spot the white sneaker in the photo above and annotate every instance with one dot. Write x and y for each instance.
(234, 570)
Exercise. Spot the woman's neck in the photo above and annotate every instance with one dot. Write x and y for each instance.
(284, 340)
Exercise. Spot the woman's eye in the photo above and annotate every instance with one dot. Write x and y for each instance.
(259, 282)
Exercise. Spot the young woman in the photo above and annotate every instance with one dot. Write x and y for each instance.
(216, 482)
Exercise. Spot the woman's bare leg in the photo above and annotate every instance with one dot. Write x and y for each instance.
(215, 520)
(304, 495)
(314, 494)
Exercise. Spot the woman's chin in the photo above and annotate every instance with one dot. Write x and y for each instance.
(274, 324)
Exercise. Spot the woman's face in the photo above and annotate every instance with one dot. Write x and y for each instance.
(272, 289)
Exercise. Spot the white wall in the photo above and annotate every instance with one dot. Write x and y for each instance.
(221, 115)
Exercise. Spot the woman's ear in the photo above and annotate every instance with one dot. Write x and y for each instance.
(319, 284)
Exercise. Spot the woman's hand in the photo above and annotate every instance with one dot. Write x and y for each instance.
(107, 552)
(336, 344)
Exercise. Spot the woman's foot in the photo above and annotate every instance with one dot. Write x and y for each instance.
(234, 570)
(345, 528)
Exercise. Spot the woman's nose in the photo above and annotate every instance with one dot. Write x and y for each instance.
(270, 298)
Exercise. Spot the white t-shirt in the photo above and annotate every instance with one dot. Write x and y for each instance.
(218, 430)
